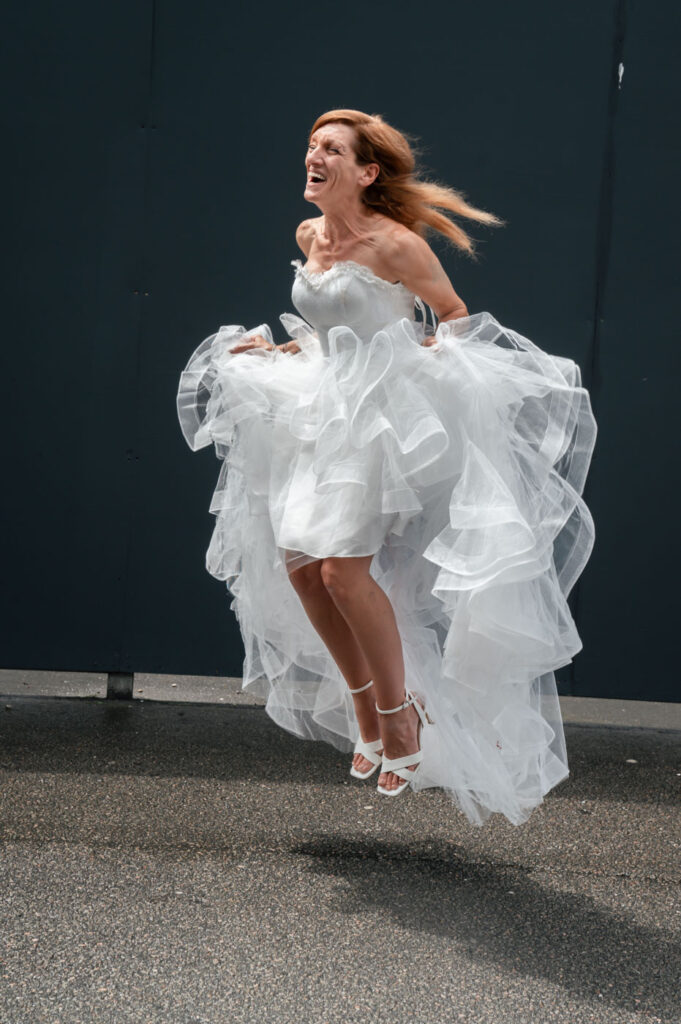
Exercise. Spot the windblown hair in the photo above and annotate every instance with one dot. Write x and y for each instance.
(397, 192)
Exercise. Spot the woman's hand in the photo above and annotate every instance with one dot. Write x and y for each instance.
(427, 342)
(257, 341)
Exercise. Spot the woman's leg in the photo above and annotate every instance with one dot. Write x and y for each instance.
(367, 610)
(342, 645)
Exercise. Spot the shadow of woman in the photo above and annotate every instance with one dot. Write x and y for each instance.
(499, 913)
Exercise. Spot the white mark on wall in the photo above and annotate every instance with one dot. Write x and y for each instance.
(620, 75)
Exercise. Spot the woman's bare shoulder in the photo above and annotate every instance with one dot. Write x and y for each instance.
(400, 246)
(305, 233)
(397, 236)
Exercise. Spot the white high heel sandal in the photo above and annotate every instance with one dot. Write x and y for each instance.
(368, 750)
(400, 765)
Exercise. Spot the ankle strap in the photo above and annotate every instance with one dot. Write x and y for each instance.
(391, 711)
(366, 687)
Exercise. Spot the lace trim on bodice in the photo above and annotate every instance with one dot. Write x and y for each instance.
(317, 277)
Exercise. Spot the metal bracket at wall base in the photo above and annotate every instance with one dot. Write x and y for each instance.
(119, 685)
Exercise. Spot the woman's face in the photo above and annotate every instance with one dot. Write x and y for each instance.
(333, 174)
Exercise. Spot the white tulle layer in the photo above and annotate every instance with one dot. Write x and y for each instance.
(460, 466)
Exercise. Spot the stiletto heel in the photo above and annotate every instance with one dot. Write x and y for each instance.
(368, 750)
(400, 765)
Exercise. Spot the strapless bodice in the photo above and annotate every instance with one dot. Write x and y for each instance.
(350, 294)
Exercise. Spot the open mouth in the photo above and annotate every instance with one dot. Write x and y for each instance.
(316, 179)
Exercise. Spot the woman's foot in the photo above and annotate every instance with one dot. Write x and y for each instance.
(367, 719)
(399, 732)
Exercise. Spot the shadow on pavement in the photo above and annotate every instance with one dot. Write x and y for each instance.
(501, 915)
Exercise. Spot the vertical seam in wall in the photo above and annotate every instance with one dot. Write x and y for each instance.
(126, 653)
(603, 239)
(606, 200)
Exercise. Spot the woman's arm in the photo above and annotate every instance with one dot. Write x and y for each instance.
(413, 262)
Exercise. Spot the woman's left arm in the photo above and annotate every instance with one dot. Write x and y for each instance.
(414, 263)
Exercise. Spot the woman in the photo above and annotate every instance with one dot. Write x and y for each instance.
(398, 516)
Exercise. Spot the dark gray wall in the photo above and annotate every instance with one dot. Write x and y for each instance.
(154, 178)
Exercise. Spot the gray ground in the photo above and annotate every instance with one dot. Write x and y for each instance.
(191, 863)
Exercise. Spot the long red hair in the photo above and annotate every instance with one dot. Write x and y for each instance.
(397, 192)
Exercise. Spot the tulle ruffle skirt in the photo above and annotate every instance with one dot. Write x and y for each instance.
(460, 467)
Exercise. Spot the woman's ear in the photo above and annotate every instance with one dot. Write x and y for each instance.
(369, 174)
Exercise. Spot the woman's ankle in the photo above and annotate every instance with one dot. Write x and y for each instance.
(366, 715)
(400, 726)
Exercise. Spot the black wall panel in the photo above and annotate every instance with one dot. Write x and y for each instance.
(156, 176)
(75, 98)
(627, 603)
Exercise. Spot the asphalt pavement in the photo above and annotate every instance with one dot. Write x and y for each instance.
(185, 861)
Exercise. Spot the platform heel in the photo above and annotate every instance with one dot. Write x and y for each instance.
(400, 765)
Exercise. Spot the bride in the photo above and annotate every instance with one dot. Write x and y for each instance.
(399, 516)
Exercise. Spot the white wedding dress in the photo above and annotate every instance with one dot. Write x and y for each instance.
(458, 465)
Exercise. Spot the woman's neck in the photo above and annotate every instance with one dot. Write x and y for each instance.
(342, 228)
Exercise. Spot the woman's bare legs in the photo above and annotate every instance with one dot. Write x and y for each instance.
(355, 619)
(367, 609)
(343, 647)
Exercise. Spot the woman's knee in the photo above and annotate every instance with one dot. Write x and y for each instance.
(307, 578)
(341, 575)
